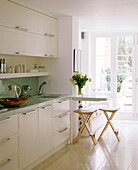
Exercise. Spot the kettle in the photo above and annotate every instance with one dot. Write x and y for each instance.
(13, 90)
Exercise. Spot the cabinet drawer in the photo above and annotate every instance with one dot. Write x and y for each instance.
(10, 162)
(61, 121)
(61, 107)
(61, 136)
(8, 126)
(8, 145)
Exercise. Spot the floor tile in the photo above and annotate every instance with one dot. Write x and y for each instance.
(108, 154)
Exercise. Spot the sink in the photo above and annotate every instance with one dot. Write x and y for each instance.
(49, 96)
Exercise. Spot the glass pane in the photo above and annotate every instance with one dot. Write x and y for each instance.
(103, 64)
(124, 73)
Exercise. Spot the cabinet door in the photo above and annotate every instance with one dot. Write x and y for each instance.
(47, 26)
(16, 42)
(47, 47)
(48, 43)
(13, 15)
(27, 137)
(45, 130)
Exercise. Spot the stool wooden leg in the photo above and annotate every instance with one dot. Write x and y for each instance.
(103, 130)
(115, 132)
(82, 128)
(87, 128)
(93, 138)
(109, 123)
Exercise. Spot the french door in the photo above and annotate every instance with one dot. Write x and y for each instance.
(113, 70)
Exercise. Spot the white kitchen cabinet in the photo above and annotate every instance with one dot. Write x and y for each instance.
(8, 126)
(61, 122)
(48, 43)
(27, 137)
(44, 130)
(61, 107)
(16, 42)
(9, 163)
(24, 31)
(47, 26)
(9, 144)
(13, 15)
(47, 47)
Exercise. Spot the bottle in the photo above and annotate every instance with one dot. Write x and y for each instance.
(4, 66)
(1, 66)
(35, 69)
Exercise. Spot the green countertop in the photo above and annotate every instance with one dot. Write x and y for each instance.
(31, 104)
(39, 101)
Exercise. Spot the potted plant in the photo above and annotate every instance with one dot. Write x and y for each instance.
(79, 80)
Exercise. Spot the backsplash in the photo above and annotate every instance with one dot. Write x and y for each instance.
(32, 81)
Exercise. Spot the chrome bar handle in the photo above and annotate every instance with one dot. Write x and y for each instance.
(63, 115)
(63, 130)
(4, 141)
(49, 55)
(49, 35)
(46, 107)
(6, 119)
(31, 112)
(5, 162)
(21, 28)
(21, 53)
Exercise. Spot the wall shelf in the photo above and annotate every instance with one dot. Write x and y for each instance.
(18, 75)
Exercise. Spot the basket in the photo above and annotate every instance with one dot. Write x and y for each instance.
(13, 102)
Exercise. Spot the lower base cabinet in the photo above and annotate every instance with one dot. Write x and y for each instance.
(44, 130)
(41, 132)
(27, 137)
(9, 163)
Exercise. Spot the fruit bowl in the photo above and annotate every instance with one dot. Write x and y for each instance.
(13, 102)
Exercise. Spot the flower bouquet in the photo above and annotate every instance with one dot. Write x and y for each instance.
(79, 80)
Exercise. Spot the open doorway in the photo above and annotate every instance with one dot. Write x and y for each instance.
(112, 70)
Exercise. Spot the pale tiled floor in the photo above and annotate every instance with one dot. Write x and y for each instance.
(108, 154)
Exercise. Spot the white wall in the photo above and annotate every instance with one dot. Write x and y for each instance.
(62, 68)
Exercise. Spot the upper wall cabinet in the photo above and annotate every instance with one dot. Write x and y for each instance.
(47, 26)
(24, 31)
(18, 17)
(18, 43)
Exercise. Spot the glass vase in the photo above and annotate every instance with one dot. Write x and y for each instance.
(79, 91)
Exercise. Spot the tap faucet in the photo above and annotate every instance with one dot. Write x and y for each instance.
(24, 89)
(39, 91)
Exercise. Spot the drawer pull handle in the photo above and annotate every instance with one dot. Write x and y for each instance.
(49, 35)
(21, 28)
(5, 162)
(27, 113)
(6, 119)
(63, 130)
(63, 115)
(62, 101)
(49, 55)
(4, 141)
(21, 53)
(46, 107)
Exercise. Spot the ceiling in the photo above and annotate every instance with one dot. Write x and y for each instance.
(96, 15)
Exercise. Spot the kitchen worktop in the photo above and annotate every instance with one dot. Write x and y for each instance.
(90, 97)
(39, 101)
(34, 102)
